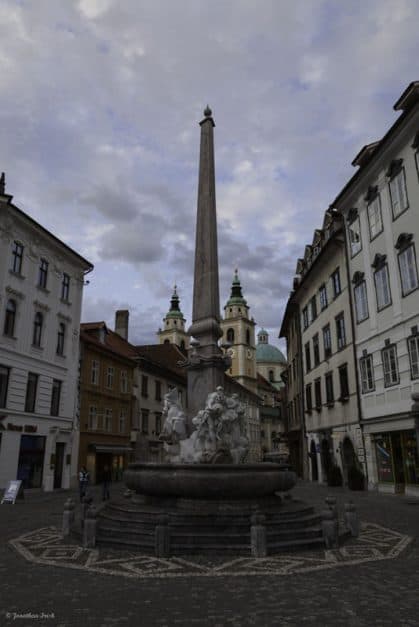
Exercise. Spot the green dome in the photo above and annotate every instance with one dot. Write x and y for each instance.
(267, 352)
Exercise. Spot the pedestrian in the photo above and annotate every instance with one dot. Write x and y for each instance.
(106, 478)
(83, 482)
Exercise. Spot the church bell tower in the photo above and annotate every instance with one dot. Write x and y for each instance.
(173, 331)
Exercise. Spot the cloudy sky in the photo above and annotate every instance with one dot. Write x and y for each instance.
(99, 113)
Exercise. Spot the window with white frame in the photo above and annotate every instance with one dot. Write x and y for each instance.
(124, 381)
(330, 395)
(354, 231)
(4, 384)
(92, 421)
(375, 219)
(382, 287)
(109, 377)
(398, 193)
(38, 323)
(367, 374)
(60, 339)
(108, 419)
(10, 318)
(17, 257)
(408, 270)
(361, 301)
(327, 341)
(122, 421)
(337, 288)
(43, 273)
(305, 318)
(323, 296)
(413, 346)
(340, 331)
(390, 366)
(95, 372)
(65, 287)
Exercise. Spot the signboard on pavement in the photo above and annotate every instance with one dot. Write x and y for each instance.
(13, 491)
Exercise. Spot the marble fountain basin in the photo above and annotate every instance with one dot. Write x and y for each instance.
(202, 481)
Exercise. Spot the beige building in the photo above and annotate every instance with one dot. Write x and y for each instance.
(380, 204)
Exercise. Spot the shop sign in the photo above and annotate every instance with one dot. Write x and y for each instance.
(12, 427)
(31, 428)
(13, 491)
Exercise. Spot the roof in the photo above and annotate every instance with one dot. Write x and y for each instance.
(163, 355)
(269, 353)
(112, 341)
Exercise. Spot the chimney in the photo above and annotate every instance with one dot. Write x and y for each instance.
(121, 323)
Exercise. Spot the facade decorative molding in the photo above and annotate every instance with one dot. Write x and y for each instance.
(379, 261)
(394, 168)
(403, 241)
(358, 277)
(371, 194)
(64, 317)
(352, 215)
(41, 306)
(415, 144)
(13, 292)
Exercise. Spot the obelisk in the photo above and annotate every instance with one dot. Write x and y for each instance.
(206, 360)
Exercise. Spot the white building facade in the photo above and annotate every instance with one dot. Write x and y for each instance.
(381, 209)
(41, 286)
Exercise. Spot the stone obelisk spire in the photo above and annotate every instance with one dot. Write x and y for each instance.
(206, 360)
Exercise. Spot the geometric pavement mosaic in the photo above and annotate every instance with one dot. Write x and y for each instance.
(47, 546)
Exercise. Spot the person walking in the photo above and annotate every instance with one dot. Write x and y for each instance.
(83, 482)
(106, 478)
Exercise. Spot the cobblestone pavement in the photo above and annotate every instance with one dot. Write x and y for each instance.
(381, 592)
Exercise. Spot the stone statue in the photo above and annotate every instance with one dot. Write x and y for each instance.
(218, 435)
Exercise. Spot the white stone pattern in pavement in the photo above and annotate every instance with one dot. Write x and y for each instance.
(47, 547)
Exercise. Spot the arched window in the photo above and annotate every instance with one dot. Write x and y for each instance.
(271, 375)
(247, 336)
(230, 336)
(9, 321)
(37, 328)
(182, 345)
(60, 339)
(166, 341)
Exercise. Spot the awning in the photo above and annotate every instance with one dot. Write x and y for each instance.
(111, 448)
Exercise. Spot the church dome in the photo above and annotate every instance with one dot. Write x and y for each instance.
(268, 352)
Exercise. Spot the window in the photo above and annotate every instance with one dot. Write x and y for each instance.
(390, 367)
(158, 390)
(4, 384)
(37, 329)
(230, 336)
(316, 349)
(344, 383)
(10, 318)
(144, 421)
(398, 193)
(122, 421)
(305, 317)
(382, 287)
(55, 397)
(60, 338)
(271, 376)
(336, 283)
(327, 341)
(408, 270)
(95, 372)
(318, 394)
(330, 397)
(247, 336)
(308, 356)
(354, 231)
(17, 257)
(31, 387)
(108, 420)
(109, 377)
(158, 423)
(361, 301)
(340, 332)
(375, 219)
(92, 424)
(309, 402)
(413, 346)
(313, 309)
(124, 381)
(144, 386)
(43, 274)
(367, 374)
(65, 287)
(323, 296)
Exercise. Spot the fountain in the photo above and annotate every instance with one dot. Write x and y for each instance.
(206, 498)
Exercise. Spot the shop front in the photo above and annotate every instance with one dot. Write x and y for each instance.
(397, 462)
(115, 457)
(31, 460)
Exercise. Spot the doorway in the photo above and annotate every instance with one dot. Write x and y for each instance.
(31, 460)
(348, 457)
(314, 466)
(326, 458)
(59, 463)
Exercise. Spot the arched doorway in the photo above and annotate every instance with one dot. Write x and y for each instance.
(348, 457)
(313, 457)
(325, 457)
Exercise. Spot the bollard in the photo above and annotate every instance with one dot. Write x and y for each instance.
(162, 537)
(330, 529)
(351, 519)
(67, 518)
(258, 536)
(89, 529)
(85, 504)
(331, 504)
(72, 512)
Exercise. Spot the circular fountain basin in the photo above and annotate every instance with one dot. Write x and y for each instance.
(202, 481)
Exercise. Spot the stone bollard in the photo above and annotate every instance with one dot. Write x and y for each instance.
(330, 529)
(68, 517)
(351, 519)
(258, 536)
(89, 529)
(331, 504)
(85, 504)
(162, 537)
